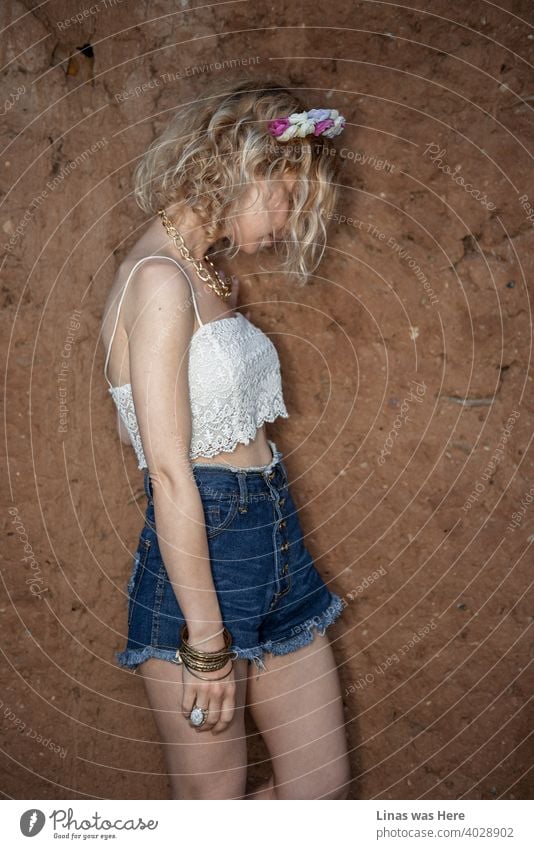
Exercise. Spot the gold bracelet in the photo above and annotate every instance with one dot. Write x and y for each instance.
(209, 679)
(204, 661)
(203, 666)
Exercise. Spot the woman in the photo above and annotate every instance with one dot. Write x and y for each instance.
(221, 575)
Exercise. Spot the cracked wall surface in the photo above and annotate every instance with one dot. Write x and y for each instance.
(406, 365)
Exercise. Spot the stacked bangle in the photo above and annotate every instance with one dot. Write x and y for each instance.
(204, 661)
(203, 678)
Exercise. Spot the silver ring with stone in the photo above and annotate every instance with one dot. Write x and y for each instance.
(198, 716)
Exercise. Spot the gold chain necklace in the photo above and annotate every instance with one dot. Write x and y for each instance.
(219, 285)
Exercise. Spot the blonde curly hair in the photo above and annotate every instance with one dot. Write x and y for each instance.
(217, 145)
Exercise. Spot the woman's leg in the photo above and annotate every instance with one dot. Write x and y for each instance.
(297, 706)
(201, 765)
(264, 791)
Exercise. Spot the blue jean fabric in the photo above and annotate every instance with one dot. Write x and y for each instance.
(270, 594)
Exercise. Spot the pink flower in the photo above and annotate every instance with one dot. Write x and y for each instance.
(323, 125)
(278, 126)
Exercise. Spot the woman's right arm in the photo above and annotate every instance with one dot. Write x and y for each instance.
(159, 322)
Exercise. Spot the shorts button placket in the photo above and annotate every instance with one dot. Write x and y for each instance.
(284, 547)
(281, 543)
(285, 581)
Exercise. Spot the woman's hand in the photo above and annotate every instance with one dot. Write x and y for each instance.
(217, 696)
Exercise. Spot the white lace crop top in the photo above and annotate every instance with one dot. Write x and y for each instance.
(234, 383)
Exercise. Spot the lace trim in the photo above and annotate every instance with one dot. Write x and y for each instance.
(215, 442)
(224, 438)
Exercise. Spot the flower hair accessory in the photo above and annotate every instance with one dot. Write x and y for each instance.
(319, 122)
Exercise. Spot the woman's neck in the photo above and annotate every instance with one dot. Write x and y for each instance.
(191, 228)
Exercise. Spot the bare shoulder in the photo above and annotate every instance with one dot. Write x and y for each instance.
(159, 289)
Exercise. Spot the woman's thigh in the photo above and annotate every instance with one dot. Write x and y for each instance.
(298, 709)
(201, 765)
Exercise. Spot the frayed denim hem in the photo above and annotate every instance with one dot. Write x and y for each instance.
(131, 658)
(254, 654)
(303, 634)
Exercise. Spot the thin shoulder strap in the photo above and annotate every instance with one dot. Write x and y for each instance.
(153, 256)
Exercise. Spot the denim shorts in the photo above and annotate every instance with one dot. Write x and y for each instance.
(270, 594)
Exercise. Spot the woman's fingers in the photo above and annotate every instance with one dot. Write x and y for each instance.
(217, 696)
(213, 716)
(221, 708)
(226, 714)
(189, 696)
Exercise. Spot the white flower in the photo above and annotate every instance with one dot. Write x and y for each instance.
(290, 133)
(297, 117)
(305, 128)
